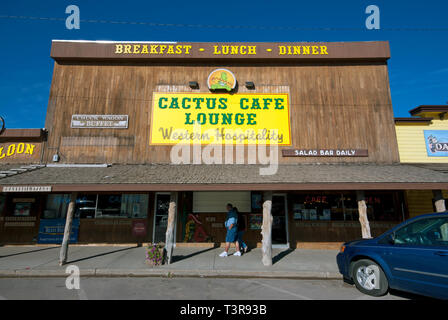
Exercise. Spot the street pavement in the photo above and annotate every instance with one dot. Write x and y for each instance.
(120, 272)
(158, 288)
(92, 261)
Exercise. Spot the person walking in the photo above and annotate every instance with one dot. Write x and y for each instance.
(232, 231)
(241, 230)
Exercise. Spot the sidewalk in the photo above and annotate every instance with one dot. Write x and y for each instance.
(116, 261)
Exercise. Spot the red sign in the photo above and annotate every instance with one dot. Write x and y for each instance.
(139, 228)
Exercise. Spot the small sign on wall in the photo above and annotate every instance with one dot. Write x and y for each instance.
(325, 153)
(139, 228)
(26, 189)
(436, 143)
(91, 121)
(255, 221)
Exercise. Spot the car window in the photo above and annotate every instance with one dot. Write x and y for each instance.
(426, 232)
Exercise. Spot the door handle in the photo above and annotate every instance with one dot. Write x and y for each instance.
(441, 253)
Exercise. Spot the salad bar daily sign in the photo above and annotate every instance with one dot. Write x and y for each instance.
(214, 118)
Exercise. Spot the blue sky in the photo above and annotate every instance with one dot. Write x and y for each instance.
(418, 68)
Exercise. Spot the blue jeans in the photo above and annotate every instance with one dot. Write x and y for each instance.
(240, 240)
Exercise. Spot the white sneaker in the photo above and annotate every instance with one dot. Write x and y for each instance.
(224, 254)
(238, 254)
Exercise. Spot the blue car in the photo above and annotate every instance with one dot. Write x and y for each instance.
(412, 257)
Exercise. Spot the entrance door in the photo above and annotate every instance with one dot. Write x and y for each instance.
(280, 221)
(162, 203)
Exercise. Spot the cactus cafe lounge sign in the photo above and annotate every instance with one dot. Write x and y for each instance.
(222, 118)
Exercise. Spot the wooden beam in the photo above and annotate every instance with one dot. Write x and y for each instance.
(68, 226)
(362, 210)
(339, 186)
(266, 229)
(169, 236)
(439, 201)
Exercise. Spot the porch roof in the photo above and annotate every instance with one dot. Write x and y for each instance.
(169, 177)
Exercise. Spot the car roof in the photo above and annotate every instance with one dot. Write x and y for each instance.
(428, 215)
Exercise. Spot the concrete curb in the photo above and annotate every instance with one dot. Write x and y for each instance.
(315, 275)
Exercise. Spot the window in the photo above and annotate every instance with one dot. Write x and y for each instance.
(22, 209)
(134, 205)
(112, 206)
(85, 206)
(325, 206)
(343, 206)
(108, 206)
(426, 232)
(56, 206)
(2, 203)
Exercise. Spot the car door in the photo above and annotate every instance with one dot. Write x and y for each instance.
(418, 258)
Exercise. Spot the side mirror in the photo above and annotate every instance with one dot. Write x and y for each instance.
(390, 238)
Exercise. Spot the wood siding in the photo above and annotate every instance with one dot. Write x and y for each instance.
(420, 201)
(343, 105)
(412, 144)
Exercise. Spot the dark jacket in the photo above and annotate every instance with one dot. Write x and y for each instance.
(241, 222)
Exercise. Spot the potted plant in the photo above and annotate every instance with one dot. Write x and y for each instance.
(155, 254)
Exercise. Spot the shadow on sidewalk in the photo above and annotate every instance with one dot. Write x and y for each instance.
(281, 255)
(180, 258)
(18, 254)
(102, 254)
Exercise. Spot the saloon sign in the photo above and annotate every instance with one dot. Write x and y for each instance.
(16, 149)
(222, 118)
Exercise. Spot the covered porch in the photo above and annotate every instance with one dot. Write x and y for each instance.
(177, 181)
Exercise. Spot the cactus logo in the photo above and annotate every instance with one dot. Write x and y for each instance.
(221, 79)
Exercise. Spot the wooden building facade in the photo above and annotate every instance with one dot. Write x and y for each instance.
(323, 111)
(421, 141)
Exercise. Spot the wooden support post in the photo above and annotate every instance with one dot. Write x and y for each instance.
(172, 217)
(68, 226)
(439, 201)
(362, 210)
(266, 229)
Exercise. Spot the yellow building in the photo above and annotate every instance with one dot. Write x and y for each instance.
(423, 141)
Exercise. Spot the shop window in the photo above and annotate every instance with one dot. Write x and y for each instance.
(85, 206)
(134, 205)
(2, 204)
(22, 209)
(112, 206)
(56, 206)
(317, 206)
(343, 207)
(22, 206)
(381, 207)
(108, 206)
